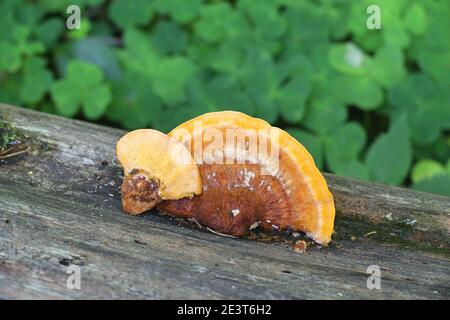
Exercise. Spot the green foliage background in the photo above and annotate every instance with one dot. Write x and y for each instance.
(369, 104)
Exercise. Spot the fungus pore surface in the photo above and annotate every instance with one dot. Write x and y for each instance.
(235, 197)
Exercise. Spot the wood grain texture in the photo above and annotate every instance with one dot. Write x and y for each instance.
(60, 205)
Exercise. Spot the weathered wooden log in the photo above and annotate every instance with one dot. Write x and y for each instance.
(60, 206)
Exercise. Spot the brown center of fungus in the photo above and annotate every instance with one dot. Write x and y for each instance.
(235, 197)
(139, 193)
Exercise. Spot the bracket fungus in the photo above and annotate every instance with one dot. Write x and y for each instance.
(156, 168)
(229, 172)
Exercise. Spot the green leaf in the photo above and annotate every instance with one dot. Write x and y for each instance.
(342, 149)
(96, 101)
(389, 157)
(49, 31)
(438, 150)
(416, 19)
(324, 116)
(36, 80)
(422, 100)
(10, 90)
(173, 116)
(259, 78)
(348, 59)
(61, 5)
(435, 62)
(78, 34)
(82, 87)
(225, 94)
(291, 98)
(361, 91)
(426, 169)
(170, 76)
(433, 48)
(227, 57)
(66, 97)
(181, 11)
(134, 104)
(84, 74)
(396, 36)
(437, 184)
(98, 52)
(264, 17)
(215, 22)
(10, 59)
(306, 29)
(169, 37)
(30, 14)
(388, 66)
(139, 54)
(370, 41)
(125, 13)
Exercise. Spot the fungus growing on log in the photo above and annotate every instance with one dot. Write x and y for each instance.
(156, 168)
(239, 173)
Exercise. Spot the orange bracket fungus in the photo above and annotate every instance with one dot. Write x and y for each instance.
(229, 172)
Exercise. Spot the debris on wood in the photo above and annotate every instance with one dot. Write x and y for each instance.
(220, 234)
(300, 246)
(370, 233)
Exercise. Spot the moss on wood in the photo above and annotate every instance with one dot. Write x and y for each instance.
(9, 136)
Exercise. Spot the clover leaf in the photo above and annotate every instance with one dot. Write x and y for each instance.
(82, 87)
(264, 17)
(342, 150)
(433, 48)
(169, 37)
(437, 184)
(174, 115)
(97, 51)
(416, 19)
(125, 13)
(224, 92)
(10, 89)
(292, 96)
(139, 54)
(180, 11)
(36, 80)
(431, 176)
(438, 150)
(387, 67)
(348, 58)
(227, 57)
(389, 157)
(422, 100)
(216, 21)
(361, 91)
(10, 59)
(15, 43)
(168, 74)
(134, 105)
(49, 31)
(169, 78)
(426, 169)
(85, 28)
(61, 5)
(323, 116)
(306, 29)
